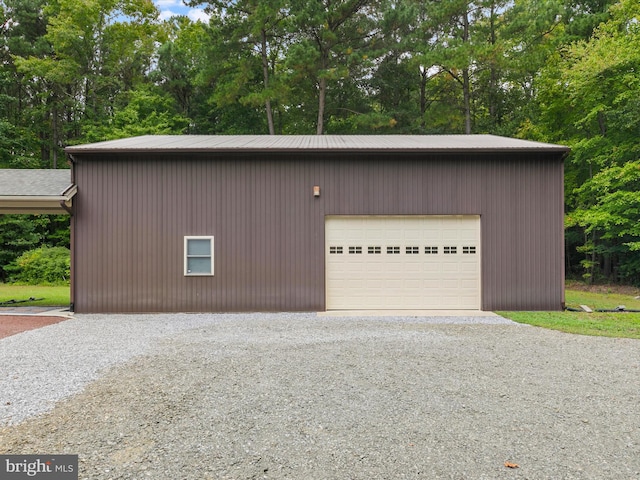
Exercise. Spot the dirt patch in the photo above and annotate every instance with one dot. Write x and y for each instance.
(12, 324)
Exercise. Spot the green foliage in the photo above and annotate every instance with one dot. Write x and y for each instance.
(589, 100)
(147, 112)
(609, 213)
(89, 54)
(42, 266)
(181, 63)
(21, 233)
(18, 234)
(14, 147)
(282, 66)
(336, 42)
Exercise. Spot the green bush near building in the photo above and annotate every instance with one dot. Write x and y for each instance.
(41, 266)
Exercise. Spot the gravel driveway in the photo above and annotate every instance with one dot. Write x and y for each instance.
(303, 397)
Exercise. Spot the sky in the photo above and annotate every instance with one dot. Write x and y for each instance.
(169, 8)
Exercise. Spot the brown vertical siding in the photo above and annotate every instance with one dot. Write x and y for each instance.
(132, 212)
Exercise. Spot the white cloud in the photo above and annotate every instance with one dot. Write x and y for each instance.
(168, 3)
(198, 15)
(167, 14)
(171, 8)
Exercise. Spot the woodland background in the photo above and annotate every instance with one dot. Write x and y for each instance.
(560, 71)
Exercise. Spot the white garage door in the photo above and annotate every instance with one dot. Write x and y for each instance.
(402, 262)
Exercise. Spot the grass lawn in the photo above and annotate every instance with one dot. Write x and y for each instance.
(51, 296)
(603, 324)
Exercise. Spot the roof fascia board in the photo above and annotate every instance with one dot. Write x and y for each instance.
(36, 204)
(34, 208)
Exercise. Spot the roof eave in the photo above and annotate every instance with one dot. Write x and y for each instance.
(39, 204)
(81, 151)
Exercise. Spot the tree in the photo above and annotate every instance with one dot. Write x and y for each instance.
(590, 100)
(181, 61)
(462, 55)
(146, 112)
(248, 34)
(609, 212)
(22, 33)
(333, 41)
(98, 49)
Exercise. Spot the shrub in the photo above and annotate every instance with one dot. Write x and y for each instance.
(42, 266)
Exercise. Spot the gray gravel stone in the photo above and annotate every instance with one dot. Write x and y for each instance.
(299, 396)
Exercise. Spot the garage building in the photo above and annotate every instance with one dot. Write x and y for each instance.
(314, 223)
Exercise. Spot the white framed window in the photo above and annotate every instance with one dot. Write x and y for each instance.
(198, 256)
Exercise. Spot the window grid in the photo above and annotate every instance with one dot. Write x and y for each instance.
(431, 250)
(450, 250)
(469, 250)
(198, 256)
(374, 250)
(393, 250)
(355, 250)
(412, 250)
(335, 250)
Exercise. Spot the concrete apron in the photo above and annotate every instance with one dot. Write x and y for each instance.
(36, 311)
(406, 313)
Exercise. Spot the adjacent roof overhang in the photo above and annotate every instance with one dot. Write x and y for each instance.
(315, 143)
(36, 191)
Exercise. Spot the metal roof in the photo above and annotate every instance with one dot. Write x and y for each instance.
(317, 143)
(35, 191)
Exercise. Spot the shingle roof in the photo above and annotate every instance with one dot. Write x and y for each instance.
(284, 143)
(36, 191)
(28, 182)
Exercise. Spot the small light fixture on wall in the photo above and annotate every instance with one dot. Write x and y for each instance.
(316, 190)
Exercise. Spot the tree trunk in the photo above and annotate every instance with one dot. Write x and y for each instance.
(423, 99)
(322, 88)
(466, 83)
(322, 98)
(602, 124)
(265, 73)
(493, 78)
(594, 258)
(467, 100)
(607, 267)
(54, 140)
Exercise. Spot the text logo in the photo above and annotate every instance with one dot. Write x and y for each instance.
(45, 467)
